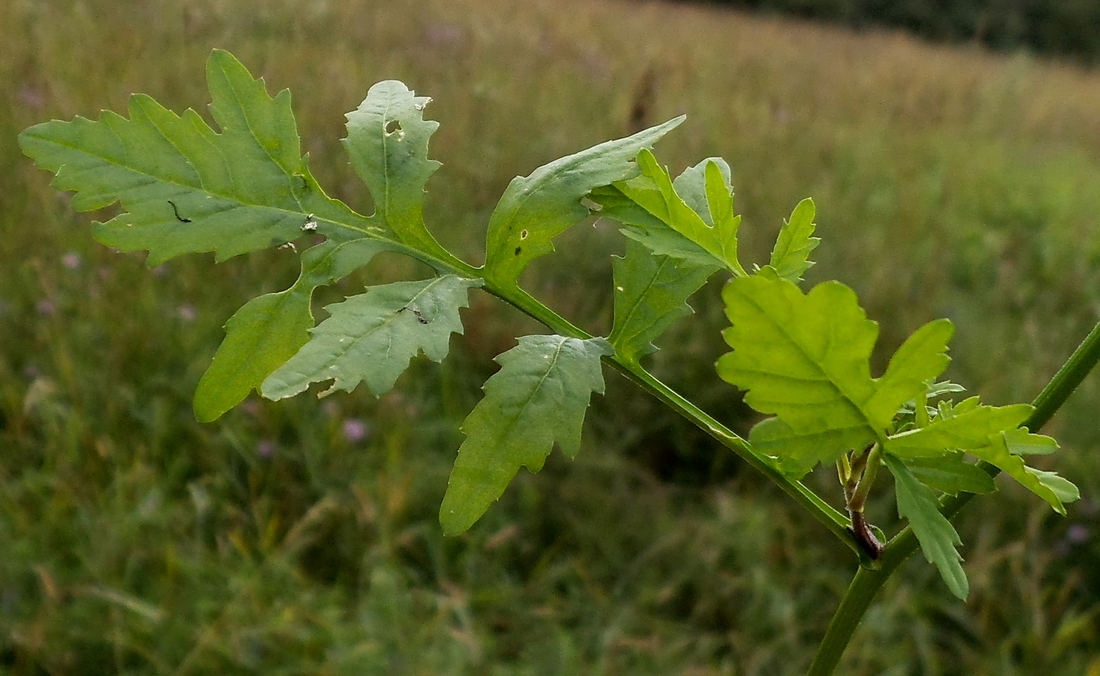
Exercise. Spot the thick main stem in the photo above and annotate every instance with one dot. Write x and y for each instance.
(866, 583)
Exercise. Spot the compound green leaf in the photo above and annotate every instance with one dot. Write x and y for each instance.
(538, 397)
(651, 293)
(388, 144)
(938, 538)
(539, 207)
(183, 187)
(268, 330)
(791, 256)
(965, 431)
(1047, 485)
(371, 337)
(951, 474)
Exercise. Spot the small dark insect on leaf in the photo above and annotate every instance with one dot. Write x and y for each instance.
(518, 250)
(419, 316)
(176, 211)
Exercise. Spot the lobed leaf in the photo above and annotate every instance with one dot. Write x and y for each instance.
(790, 257)
(183, 187)
(536, 208)
(1047, 485)
(650, 294)
(388, 145)
(538, 397)
(268, 330)
(806, 359)
(938, 538)
(371, 337)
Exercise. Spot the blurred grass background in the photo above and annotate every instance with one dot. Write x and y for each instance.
(300, 538)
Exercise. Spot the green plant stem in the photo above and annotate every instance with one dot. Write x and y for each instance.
(835, 521)
(866, 583)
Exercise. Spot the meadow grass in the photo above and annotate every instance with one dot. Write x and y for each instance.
(300, 537)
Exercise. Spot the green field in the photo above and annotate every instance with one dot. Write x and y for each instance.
(301, 537)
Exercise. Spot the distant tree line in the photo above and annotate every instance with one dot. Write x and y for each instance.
(1061, 27)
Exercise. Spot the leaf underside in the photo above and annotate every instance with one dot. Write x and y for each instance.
(538, 397)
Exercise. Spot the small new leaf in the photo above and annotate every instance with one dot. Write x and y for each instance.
(536, 208)
(650, 294)
(791, 256)
(373, 336)
(388, 144)
(965, 431)
(938, 538)
(1047, 485)
(538, 397)
(270, 329)
(183, 187)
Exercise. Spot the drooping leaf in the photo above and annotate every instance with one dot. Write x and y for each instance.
(388, 144)
(951, 474)
(650, 294)
(268, 330)
(1047, 485)
(806, 359)
(964, 431)
(373, 336)
(185, 188)
(655, 193)
(538, 397)
(938, 538)
(1022, 442)
(536, 208)
(791, 256)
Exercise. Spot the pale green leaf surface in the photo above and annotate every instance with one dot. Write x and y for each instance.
(691, 186)
(790, 257)
(538, 397)
(951, 474)
(650, 294)
(388, 145)
(536, 208)
(998, 454)
(647, 229)
(373, 336)
(796, 453)
(938, 538)
(922, 357)
(804, 358)
(964, 431)
(268, 330)
(1022, 442)
(183, 187)
(1062, 488)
